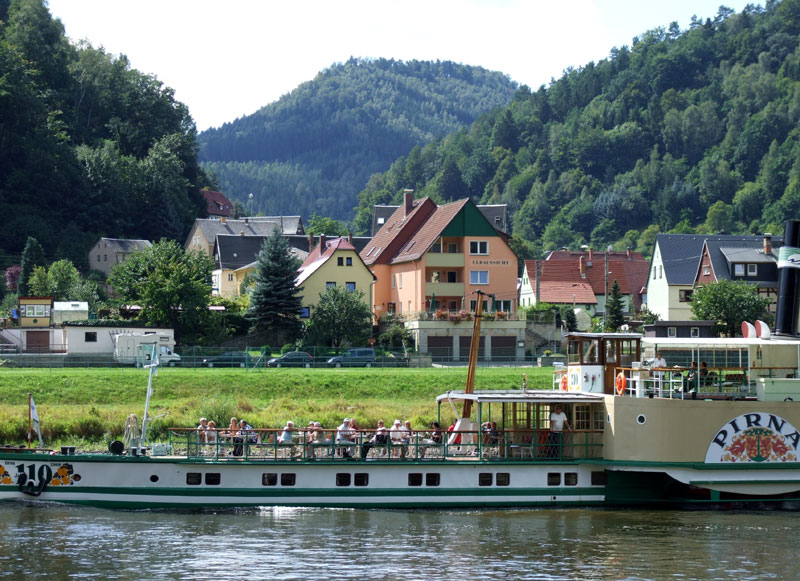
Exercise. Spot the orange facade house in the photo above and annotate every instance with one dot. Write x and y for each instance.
(430, 258)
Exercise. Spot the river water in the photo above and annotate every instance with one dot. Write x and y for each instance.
(290, 543)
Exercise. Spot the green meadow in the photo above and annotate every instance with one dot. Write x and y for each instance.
(88, 407)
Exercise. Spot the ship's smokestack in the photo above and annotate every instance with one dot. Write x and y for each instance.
(788, 308)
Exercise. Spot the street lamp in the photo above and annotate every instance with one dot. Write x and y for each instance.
(250, 204)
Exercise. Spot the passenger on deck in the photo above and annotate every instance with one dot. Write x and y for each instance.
(457, 439)
(201, 431)
(345, 435)
(436, 433)
(247, 430)
(211, 432)
(690, 381)
(287, 433)
(233, 429)
(397, 433)
(659, 362)
(379, 438)
(558, 420)
(490, 433)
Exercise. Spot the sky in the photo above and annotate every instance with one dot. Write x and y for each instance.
(228, 59)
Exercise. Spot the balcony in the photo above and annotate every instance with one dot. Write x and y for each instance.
(444, 289)
(444, 259)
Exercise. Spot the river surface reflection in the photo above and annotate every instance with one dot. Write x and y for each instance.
(290, 543)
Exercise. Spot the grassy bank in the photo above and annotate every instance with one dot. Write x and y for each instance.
(90, 405)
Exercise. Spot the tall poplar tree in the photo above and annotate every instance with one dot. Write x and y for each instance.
(614, 317)
(275, 304)
(32, 256)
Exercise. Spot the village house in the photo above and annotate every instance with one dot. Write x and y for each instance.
(332, 262)
(430, 261)
(204, 231)
(217, 205)
(108, 252)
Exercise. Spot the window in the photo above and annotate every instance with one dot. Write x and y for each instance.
(571, 479)
(415, 479)
(478, 247)
(288, 479)
(381, 221)
(340, 261)
(436, 248)
(98, 258)
(485, 479)
(269, 479)
(432, 479)
(504, 306)
(685, 296)
(435, 276)
(230, 277)
(213, 478)
(452, 276)
(598, 478)
(503, 478)
(194, 478)
(473, 304)
(400, 280)
(738, 269)
(752, 269)
(452, 247)
(348, 261)
(305, 312)
(36, 311)
(391, 308)
(694, 331)
(706, 270)
(105, 258)
(478, 277)
(394, 281)
(350, 286)
(330, 284)
(90, 337)
(655, 270)
(342, 479)
(553, 479)
(361, 479)
(672, 331)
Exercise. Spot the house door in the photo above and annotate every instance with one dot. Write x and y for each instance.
(37, 341)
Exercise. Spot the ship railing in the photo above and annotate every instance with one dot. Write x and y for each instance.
(506, 445)
(685, 383)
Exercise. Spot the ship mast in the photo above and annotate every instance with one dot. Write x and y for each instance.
(474, 347)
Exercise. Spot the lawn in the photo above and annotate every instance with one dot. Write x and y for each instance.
(91, 405)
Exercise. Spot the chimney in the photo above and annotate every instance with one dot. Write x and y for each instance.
(246, 221)
(767, 243)
(322, 243)
(350, 237)
(628, 252)
(310, 241)
(582, 267)
(241, 232)
(223, 219)
(408, 201)
(590, 255)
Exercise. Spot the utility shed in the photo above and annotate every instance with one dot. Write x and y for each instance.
(64, 311)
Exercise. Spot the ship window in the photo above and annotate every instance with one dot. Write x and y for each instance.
(591, 352)
(432, 479)
(503, 478)
(194, 478)
(288, 479)
(553, 479)
(213, 478)
(361, 479)
(582, 416)
(269, 479)
(342, 479)
(415, 479)
(598, 478)
(485, 479)
(571, 478)
(153, 478)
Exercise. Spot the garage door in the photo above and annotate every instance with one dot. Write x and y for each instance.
(504, 348)
(441, 348)
(37, 341)
(463, 345)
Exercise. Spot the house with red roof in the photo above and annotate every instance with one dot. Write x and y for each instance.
(217, 204)
(579, 278)
(333, 262)
(430, 261)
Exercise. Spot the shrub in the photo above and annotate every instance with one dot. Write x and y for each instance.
(288, 347)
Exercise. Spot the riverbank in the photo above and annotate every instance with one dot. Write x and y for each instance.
(89, 406)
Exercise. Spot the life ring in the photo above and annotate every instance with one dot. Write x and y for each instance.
(564, 382)
(621, 383)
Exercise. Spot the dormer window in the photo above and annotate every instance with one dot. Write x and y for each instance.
(752, 269)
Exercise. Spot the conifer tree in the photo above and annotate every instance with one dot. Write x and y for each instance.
(275, 304)
(32, 256)
(614, 317)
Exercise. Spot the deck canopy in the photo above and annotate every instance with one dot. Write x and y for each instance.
(518, 396)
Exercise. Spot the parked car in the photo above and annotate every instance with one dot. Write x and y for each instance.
(292, 359)
(228, 359)
(361, 357)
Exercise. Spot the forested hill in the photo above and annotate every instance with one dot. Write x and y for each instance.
(683, 131)
(313, 150)
(88, 146)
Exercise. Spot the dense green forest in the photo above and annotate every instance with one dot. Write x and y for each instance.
(314, 149)
(88, 146)
(683, 131)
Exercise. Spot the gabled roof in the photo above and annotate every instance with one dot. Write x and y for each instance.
(217, 204)
(319, 256)
(258, 226)
(233, 252)
(744, 249)
(495, 214)
(680, 253)
(629, 270)
(407, 237)
(124, 244)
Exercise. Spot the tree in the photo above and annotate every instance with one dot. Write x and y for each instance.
(341, 317)
(327, 226)
(275, 304)
(172, 286)
(32, 256)
(12, 277)
(614, 317)
(567, 313)
(728, 303)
